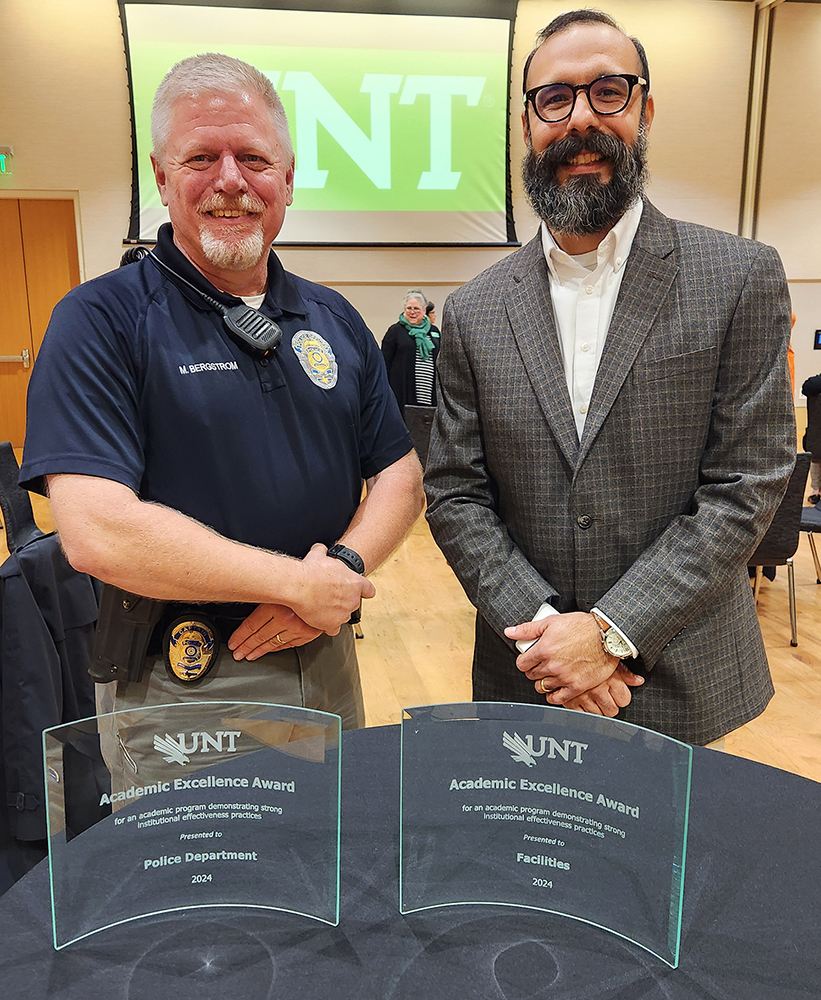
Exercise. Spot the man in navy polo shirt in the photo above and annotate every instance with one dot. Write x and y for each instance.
(187, 465)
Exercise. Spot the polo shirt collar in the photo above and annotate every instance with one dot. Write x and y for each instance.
(281, 295)
(614, 249)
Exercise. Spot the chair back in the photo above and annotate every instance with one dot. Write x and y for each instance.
(419, 420)
(15, 504)
(781, 540)
(811, 519)
(812, 439)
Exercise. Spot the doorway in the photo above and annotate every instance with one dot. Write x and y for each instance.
(38, 265)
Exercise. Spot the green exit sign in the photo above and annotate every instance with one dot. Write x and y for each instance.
(6, 154)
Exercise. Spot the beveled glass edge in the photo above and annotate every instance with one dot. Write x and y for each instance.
(557, 913)
(685, 828)
(197, 906)
(200, 704)
(529, 706)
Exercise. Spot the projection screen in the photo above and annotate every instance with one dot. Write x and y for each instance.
(399, 121)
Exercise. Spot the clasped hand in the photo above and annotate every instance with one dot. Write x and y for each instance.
(327, 595)
(569, 665)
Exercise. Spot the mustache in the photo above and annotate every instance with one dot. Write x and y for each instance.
(561, 152)
(243, 203)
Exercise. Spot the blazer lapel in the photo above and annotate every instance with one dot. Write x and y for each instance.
(648, 276)
(530, 312)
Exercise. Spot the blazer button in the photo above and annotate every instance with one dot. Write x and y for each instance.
(584, 520)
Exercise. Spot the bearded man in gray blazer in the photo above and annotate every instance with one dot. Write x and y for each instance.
(615, 427)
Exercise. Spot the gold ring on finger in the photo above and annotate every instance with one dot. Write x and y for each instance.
(280, 641)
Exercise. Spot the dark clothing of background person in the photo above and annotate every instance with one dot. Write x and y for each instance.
(399, 352)
(812, 439)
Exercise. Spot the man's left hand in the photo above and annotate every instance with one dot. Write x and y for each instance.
(269, 628)
(568, 658)
(608, 697)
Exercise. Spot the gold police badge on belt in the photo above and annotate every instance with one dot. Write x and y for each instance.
(191, 647)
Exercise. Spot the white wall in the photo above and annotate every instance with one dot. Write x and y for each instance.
(790, 204)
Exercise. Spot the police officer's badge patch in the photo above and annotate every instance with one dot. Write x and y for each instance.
(191, 647)
(316, 357)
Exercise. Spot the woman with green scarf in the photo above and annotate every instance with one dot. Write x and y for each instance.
(409, 348)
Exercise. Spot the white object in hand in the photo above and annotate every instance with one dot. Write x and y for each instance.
(544, 611)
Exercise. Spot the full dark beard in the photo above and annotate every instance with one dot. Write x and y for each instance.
(583, 205)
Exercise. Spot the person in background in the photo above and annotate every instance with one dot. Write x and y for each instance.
(430, 312)
(410, 347)
(217, 475)
(812, 438)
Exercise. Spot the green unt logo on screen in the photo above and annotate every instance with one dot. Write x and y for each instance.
(315, 106)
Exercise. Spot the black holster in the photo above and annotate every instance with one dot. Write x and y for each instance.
(125, 624)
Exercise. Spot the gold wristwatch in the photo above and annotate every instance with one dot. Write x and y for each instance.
(612, 640)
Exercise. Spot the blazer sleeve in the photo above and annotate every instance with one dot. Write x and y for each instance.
(747, 459)
(497, 578)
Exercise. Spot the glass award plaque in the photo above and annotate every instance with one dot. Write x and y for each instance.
(546, 808)
(199, 804)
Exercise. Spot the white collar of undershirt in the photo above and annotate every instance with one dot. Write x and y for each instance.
(613, 249)
(255, 301)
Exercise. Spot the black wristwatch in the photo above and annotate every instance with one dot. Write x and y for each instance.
(353, 560)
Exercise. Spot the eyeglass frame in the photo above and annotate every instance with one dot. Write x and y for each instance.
(632, 79)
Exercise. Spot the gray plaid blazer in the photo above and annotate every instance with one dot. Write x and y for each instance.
(687, 449)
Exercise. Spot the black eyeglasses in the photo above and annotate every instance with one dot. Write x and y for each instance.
(553, 102)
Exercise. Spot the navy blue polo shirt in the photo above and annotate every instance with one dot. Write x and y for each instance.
(139, 381)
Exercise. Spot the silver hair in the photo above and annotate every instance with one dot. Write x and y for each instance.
(213, 72)
(415, 293)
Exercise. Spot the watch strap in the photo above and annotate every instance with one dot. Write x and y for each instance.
(353, 560)
(613, 641)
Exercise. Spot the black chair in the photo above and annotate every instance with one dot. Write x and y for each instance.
(15, 505)
(780, 543)
(812, 438)
(811, 522)
(419, 420)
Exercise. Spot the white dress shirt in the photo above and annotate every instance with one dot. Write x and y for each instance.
(584, 291)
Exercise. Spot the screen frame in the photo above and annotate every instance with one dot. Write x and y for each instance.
(497, 9)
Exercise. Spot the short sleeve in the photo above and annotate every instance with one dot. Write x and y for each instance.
(83, 397)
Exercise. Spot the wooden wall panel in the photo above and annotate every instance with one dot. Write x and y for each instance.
(50, 253)
(15, 326)
(38, 265)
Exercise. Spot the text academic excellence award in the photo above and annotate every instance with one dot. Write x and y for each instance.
(546, 808)
(199, 804)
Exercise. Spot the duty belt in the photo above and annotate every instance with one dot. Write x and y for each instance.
(192, 635)
(130, 627)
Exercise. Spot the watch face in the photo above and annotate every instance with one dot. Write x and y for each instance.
(615, 644)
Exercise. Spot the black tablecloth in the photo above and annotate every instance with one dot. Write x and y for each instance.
(752, 916)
